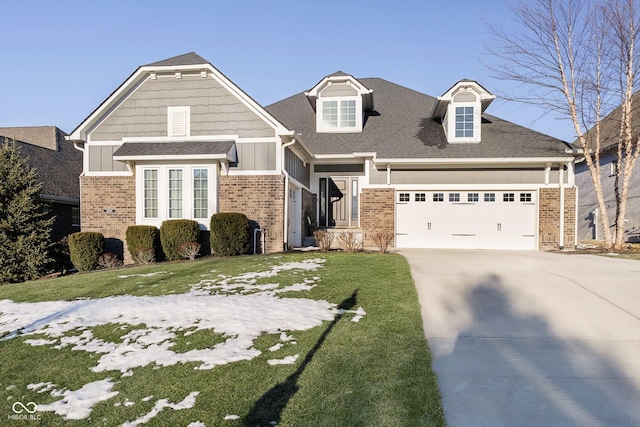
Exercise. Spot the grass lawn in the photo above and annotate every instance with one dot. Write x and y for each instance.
(310, 363)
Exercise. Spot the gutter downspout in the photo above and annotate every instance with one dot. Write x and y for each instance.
(285, 225)
(561, 184)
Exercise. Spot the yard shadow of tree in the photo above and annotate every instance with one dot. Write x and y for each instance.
(508, 367)
(268, 409)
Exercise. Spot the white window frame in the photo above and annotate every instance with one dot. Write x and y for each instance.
(143, 188)
(188, 202)
(181, 199)
(451, 122)
(320, 124)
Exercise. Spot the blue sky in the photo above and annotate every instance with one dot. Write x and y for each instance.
(61, 59)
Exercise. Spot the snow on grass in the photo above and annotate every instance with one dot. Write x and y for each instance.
(235, 307)
(289, 360)
(76, 405)
(161, 404)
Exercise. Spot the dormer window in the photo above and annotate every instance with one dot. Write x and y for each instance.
(340, 102)
(339, 114)
(460, 111)
(464, 122)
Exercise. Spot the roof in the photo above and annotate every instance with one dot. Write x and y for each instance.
(57, 162)
(610, 126)
(190, 58)
(193, 149)
(400, 127)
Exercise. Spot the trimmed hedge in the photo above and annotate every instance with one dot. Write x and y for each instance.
(229, 234)
(175, 232)
(146, 237)
(85, 247)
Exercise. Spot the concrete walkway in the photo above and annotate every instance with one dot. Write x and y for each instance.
(532, 338)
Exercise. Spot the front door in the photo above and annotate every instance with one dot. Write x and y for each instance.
(339, 202)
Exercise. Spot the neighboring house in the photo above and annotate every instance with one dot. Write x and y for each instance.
(178, 139)
(59, 166)
(589, 225)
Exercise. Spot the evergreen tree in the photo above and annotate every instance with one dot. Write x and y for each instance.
(25, 227)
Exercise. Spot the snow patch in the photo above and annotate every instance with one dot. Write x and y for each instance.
(289, 360)
(77, 405)
(161, 404)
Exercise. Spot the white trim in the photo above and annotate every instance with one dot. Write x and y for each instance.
(475, 160)
(321, 128)
(153, 157)
(456, 187)
(108, 173)
(254, 172)
(197, 138)
(103, 143)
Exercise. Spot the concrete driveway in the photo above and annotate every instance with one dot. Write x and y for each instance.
(532, 338)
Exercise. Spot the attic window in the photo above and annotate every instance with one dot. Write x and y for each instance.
(464, 122)
(178, 121)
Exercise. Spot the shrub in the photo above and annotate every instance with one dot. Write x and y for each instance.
(190, 250)
(382, 239)
(175, 232)
(350, 241)
(143, 238)
(85, 248)
(324, 239)
(145, 255)
(109, 260)
(61, 255)
(229, 234)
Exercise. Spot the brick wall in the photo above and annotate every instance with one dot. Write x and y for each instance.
(261, 199)
(108, 206)
(549, 227)
(377, 212)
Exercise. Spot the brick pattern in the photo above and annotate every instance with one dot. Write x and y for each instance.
(549, 227)
(261, 199)
(377, 212)
(109, 207)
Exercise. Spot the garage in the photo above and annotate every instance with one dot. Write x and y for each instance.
(466, 219)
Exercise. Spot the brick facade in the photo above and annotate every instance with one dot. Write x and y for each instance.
(261, 199)
(377, 212)
(109, 207)
(549, 226)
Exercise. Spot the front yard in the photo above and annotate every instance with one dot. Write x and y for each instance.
(297, 339)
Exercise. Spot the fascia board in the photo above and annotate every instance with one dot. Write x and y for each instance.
(475, 161)
(225, 156)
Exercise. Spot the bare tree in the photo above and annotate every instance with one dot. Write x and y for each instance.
(578, 58)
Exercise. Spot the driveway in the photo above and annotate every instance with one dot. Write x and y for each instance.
(532, 338)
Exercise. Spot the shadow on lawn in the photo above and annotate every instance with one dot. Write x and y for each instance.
(268, 408)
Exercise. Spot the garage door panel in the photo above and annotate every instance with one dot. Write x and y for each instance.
(478, 220)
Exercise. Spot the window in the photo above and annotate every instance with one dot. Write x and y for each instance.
(420, 197)
(614, 167)
(175, 193)
(438, 197)
(150, 193)
(354, 201)
(525, 197)
(404, 197)
(454, 197)
(508, 197)
(472, 197)
(464, 122)
(200, 193)
(489, 197)
(75, 216)
(339, 114)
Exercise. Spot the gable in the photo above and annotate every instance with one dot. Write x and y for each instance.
(214, 110)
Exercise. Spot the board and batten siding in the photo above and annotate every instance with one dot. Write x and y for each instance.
(101, 159)
(214, 111)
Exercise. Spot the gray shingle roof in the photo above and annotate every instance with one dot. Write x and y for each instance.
(190, 58)
(190, 148)
(57, 162)
(400, 127)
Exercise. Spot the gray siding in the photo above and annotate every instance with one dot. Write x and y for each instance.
(256, 156)
(337, 89)
(587, 203)
(296, 168)
(101, 159)
(214, 111)
(464, 176)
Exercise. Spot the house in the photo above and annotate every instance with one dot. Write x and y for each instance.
(178, 139)
(58, 166)
(589, 225)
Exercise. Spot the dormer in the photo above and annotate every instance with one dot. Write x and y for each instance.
(340, 102)
(460, 111)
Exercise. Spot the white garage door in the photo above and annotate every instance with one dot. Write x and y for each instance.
(466, 219)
